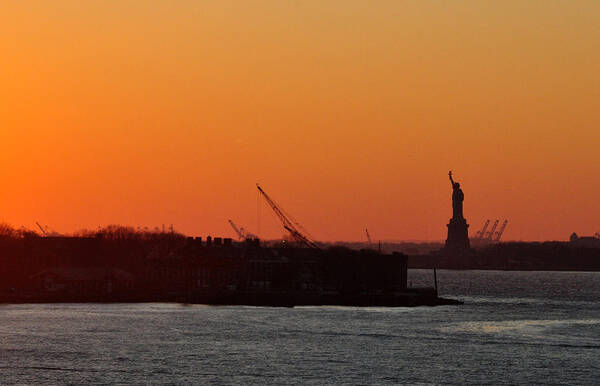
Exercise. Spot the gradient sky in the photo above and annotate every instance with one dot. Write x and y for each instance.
(349, 113)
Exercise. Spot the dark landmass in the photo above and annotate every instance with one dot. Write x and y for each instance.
(119, 264)
(516, 256)
(410, 248)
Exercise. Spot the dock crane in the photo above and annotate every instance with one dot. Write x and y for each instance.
(490, 234)
(501, 231)
(481, 233)
(288, 222)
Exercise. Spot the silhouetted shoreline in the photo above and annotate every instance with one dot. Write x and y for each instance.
(120, 264)
(516, 256)
(511, 255)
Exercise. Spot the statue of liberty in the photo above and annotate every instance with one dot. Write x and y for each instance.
(457, 198)
(458, 235)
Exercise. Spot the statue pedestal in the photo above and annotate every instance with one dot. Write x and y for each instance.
(458, 235)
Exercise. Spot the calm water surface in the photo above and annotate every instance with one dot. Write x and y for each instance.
(515, 327)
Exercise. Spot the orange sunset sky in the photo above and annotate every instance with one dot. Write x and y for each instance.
(349, 113)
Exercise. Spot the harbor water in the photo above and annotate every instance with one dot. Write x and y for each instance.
(515, 327)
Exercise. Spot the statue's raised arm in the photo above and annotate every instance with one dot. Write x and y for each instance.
(450, 176)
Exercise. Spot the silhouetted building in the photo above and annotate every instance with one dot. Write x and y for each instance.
(584, 241)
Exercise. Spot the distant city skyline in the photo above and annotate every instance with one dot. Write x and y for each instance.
(349, 113)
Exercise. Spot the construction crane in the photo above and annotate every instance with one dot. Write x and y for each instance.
(368, 236)
(237, 230)
(501, 231)
(482, 231)
(490, 234)
(288, 222)
(241, 232)
(42, 229)
(47, 232)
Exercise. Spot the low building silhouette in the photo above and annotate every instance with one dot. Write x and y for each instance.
(215, 271)
(584, 241)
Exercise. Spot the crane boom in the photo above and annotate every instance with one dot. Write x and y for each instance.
(368, 236)
(481, 233)
(41, 228)
(288, 222)
(501, 231)
(237, 230)
(490, 234)
(301, 238)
